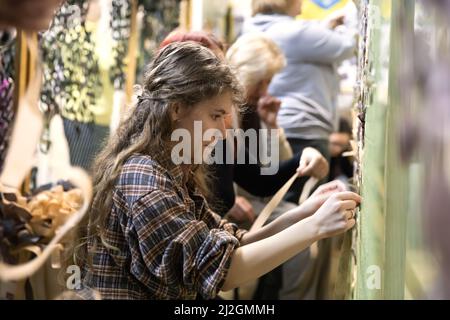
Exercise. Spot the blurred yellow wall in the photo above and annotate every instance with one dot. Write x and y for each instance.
(313, 11)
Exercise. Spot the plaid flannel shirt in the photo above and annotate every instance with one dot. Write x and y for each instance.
(162, 241)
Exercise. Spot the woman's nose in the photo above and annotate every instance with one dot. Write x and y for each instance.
(223, 128)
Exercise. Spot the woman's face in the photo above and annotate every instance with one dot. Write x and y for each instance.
(206, 122)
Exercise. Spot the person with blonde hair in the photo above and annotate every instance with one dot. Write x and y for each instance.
(256, 59)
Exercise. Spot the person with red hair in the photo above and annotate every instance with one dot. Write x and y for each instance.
(207, 40)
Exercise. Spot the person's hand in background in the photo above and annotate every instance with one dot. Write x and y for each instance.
(335, 19)
(268, 108)
(313, 164)
(242, 211)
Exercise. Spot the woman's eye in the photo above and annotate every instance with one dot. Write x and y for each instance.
(216, 117)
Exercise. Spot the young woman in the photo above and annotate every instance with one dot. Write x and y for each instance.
(151, 234)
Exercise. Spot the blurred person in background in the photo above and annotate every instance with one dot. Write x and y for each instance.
(309, 85)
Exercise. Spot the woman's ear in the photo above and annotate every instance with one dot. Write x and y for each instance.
(175, 112)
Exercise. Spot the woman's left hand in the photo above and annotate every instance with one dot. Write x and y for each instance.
(316, 199)
(322, 193)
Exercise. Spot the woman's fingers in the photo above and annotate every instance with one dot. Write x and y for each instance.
(336, 184)
(330, 187)
(349, 214)
(348, 204)
(350, 224)
(337, 214)
(348, 195)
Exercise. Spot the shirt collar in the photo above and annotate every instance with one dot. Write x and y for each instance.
(175, 171)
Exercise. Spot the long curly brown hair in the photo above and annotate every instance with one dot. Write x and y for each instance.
(181, 73)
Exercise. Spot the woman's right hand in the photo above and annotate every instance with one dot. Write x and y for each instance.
(336, 215)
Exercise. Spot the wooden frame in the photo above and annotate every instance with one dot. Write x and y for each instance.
(382, 222)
